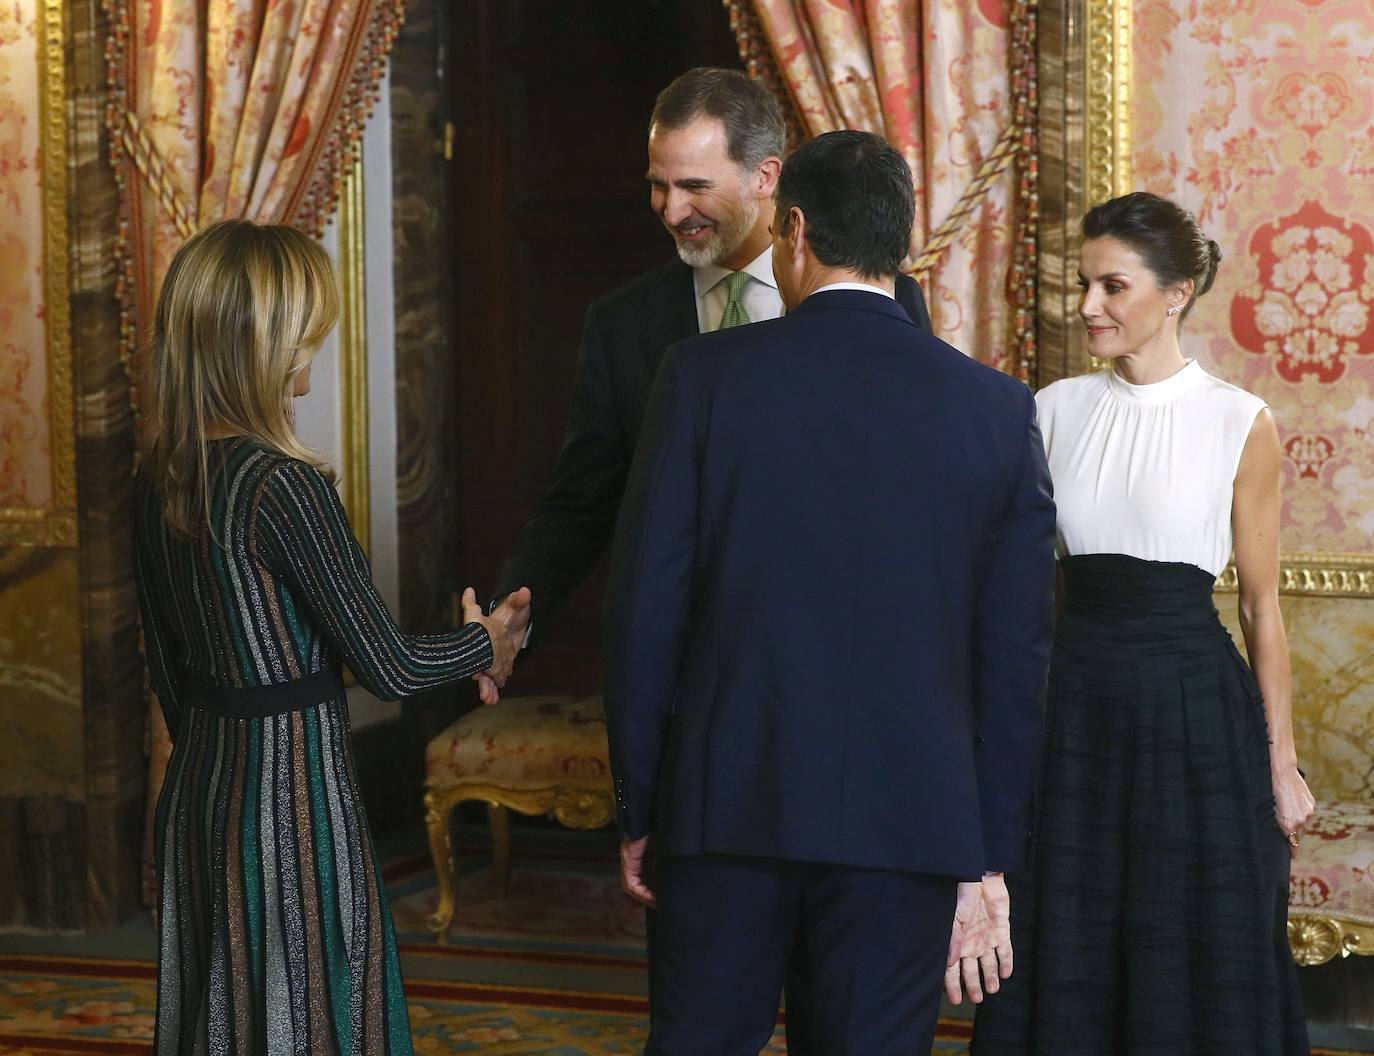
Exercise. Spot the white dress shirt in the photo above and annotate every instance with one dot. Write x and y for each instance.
(862, 287)
(761, 298)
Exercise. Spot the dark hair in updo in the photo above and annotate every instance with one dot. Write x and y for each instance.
(1165, 235)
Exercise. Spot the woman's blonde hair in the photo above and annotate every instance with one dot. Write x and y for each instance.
(243, 310)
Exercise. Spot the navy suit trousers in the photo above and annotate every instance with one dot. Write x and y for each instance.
(874, 942)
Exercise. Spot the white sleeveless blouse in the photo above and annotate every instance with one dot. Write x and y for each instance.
(1146, 470)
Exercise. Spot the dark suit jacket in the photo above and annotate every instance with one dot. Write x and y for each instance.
(829, 617)
(623, 341)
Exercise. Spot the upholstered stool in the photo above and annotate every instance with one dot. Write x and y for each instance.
(1331, 894)
(537, 755)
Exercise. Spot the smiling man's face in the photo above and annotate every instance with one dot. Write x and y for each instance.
(705, 200)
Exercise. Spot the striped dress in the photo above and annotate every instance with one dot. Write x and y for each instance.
(275, 934)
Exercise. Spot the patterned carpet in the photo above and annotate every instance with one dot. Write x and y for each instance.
(552, 966)
(83, 1005)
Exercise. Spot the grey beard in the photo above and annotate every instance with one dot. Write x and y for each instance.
(699, 254)
(727, 238)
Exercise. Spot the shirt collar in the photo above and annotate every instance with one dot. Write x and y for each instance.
(761, 268)
(863, 287)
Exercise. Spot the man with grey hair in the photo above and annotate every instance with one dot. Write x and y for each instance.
(716, 139)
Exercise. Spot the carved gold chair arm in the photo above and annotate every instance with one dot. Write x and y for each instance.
(1316, 940)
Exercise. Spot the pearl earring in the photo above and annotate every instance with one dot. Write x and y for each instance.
(1174, 310)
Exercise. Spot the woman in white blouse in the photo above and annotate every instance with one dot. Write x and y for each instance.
(1152, 919)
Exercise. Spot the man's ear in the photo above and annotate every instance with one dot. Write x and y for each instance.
(796, 232)
(766, 177)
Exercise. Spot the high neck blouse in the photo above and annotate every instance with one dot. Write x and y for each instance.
(1146, 470)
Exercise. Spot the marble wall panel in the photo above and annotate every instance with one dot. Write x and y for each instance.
(71, 677)
(111, 667)
(1331, 641)
(43, 751)
(427, 426)
(422, 264)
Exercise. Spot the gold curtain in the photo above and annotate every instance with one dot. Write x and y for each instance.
(234, 108)
(951, 86)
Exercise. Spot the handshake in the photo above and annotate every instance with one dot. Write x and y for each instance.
(507, 626)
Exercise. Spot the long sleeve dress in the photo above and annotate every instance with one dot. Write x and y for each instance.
(274, 932)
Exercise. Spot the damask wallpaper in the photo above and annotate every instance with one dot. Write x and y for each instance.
(25, 468)
(1257, 115)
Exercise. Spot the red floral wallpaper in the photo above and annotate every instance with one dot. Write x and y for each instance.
(1259, 116)
(25, 467)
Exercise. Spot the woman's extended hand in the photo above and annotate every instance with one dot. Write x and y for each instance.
(1293, 802)
(504, 647)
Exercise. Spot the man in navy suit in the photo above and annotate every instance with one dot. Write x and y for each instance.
(828, 629)
(716, 140)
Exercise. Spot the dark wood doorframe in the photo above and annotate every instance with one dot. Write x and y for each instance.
(550, 101)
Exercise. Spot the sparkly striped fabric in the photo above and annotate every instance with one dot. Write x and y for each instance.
(275, 934)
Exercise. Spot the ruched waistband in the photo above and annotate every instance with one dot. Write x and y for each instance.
(1118, 602)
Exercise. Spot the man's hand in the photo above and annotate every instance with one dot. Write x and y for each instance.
(980, 940)
(514, 614)
(503, 646)
(632, 856)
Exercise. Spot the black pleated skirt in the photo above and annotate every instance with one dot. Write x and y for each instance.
(1152, 919)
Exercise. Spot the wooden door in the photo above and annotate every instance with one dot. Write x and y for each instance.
(551, 101)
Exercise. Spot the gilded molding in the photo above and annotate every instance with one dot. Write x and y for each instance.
(1316, 940)
(1317, 574)
(54, 524)
(357, 495)
(1107, 106)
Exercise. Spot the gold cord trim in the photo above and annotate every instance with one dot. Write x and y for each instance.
(1003, 153)
(136, 143)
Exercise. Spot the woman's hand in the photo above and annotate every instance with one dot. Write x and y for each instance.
(504, 647)
(1293, 802)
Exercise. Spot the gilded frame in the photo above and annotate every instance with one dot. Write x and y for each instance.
(353, 412)
(1106, 115)
(1107, 102)
(55, 523)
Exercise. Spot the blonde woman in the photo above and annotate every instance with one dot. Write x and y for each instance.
(275, 932)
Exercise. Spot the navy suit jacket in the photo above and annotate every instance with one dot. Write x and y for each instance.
(624, 338)
(831, 599)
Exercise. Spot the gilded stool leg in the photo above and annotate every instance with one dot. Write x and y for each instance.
(498, 818)
(438, 807)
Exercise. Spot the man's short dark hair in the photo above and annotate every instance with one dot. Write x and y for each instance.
(856, 194)
(754, 128)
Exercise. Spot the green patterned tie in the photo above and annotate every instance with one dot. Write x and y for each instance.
(735, 315)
